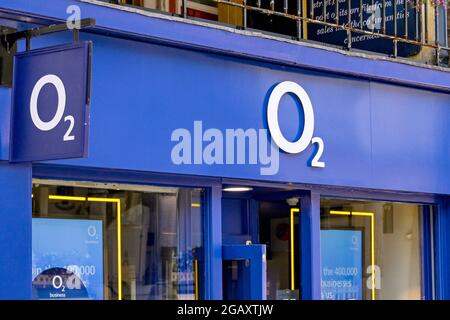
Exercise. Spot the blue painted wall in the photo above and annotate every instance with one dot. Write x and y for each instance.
(15, 231)
(376, 135)
(5, 110)
(234, 217)
(15, 217)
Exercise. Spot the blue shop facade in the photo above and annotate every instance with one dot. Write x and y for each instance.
(227, 164)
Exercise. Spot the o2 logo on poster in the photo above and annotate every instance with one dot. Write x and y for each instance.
(67, 259)
(341, 264)
(58, 283)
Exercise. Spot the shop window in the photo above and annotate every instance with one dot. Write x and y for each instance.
(370, 250)
(116, 242)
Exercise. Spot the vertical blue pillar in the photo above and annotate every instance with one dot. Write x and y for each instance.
(442, 249)
(15, 231)
(310, 246)
(213, 244)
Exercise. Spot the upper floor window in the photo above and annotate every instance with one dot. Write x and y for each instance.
(415, 29)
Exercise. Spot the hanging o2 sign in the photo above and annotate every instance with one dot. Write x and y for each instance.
(50, 115)
(306, 138)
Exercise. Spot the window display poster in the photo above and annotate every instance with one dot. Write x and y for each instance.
(67, 259)
(341, 264)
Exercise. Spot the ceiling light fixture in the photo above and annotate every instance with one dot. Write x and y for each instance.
(237, 189)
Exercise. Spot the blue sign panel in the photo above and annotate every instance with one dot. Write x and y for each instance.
(341, 264)
(367, 15)
(50, 114)
(67, 259)
(167, 123)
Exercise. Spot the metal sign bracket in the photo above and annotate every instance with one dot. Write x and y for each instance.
(9, 38)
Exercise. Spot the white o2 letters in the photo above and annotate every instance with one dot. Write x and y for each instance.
(61, 92)
(59, 85)
(57, 282)
(308, 130)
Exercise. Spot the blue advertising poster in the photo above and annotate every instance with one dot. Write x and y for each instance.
(341, 264)
(67, 259)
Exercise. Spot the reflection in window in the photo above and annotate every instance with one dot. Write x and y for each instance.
(358, 236)
(161, 240)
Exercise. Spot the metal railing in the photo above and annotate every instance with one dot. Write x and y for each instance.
(393, 27)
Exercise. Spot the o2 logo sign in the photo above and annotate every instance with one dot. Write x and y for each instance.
(50, 103)
(61, 106)
(294, 147)
(58, 283)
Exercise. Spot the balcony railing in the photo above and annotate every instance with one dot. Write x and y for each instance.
(415, 29)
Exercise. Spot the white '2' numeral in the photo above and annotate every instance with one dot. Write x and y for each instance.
(67, 135)
(315, 161)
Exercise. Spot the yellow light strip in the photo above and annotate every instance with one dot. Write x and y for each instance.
(372, 239)
(293, 210)
(195, 205)
(119, 231)
(119, 249)
(343, 213)
(93, 199)
(372, 222)
(196, 278)
(68, 198)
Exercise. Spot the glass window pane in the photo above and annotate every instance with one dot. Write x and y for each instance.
(154, 251)
(370, 250)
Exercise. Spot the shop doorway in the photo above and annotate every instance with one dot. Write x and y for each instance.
(265, 217)
(279, 226)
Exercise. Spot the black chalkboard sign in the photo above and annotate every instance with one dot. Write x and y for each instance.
(372, 20)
